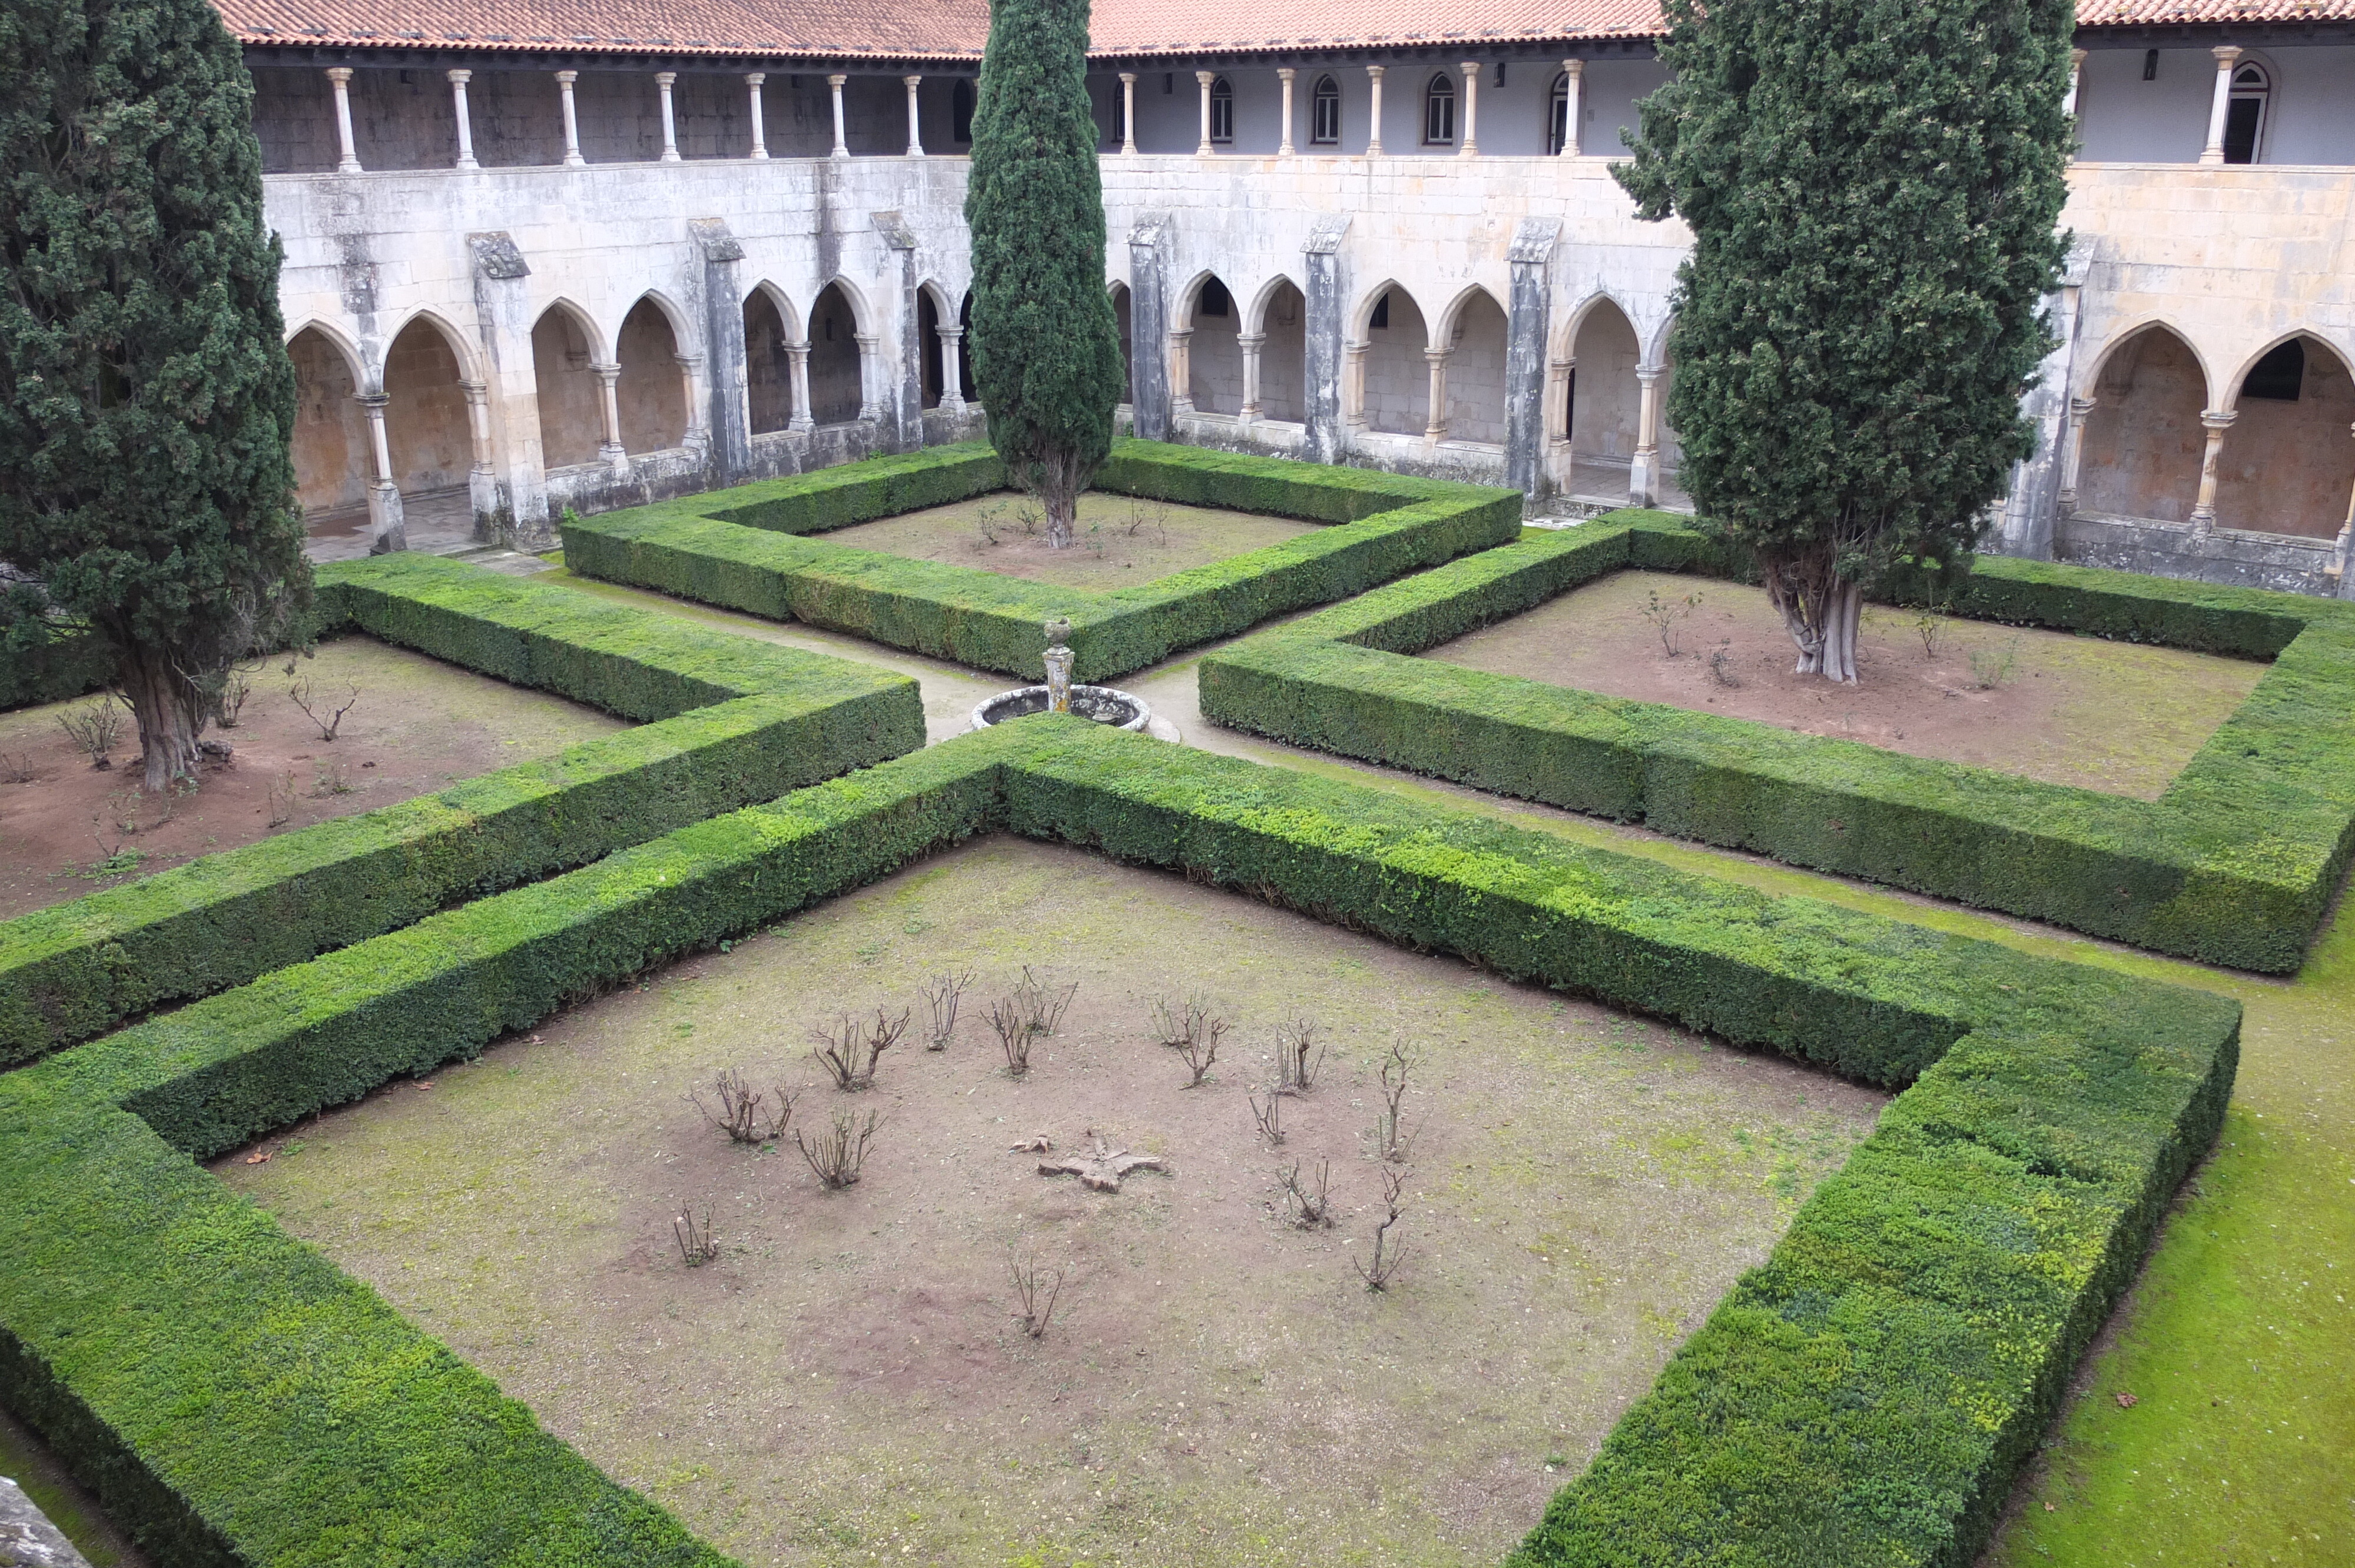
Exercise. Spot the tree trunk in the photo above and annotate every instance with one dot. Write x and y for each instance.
(1061, 478)
(1822, 611)
(171, 710)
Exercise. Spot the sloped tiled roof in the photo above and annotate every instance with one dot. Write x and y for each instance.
(955, 29)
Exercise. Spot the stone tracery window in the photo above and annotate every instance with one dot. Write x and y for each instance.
(1439, 111)
(1324, 112)
(1222, 111)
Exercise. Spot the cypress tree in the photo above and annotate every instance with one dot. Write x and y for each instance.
(1872, 187)
(1045, 342)
(146, 400)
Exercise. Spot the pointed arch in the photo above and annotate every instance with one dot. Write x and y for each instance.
(428, 433)
(2126, 334)
(1254, 316)
(2230, 396)
(1602, 404)
(461, 350)
(651, 391)
(2143, 441)
(837, 370)
(1451, 318)
(1370, 304)
(862, 314)
(333, 456)
(1394, 389)
(336, 338)
(1213, 318)
(1124, 313)
(2286, 464)
(789, 315)
(683, 327)
(1190, 298)
(566, 349)
(1474, 335)
(1566, 326)
(1280, 316)
(770, 329)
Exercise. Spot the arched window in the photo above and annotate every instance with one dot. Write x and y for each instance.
(961, 110)
(2244, 117)
(1558, 115)
(1222, 111)
(1439, 113)
(1325, 113)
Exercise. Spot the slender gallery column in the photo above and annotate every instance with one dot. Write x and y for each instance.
(2076, 70)
(1469, 145)
(1374, 108)
(1643, 471)
(1128, 111)
(387, 530)
(483, 479)
(752, 81)
(610, 449)
(1558, 402)
(1181, 370)
(2203, 514)
(2218, 109)
(1574, 91)
(1204, 79)
(458, 79)
(663, 81)
(915, 137)
(2078, 409)
(340, 77)
(572, 158)
(870, 383)
(698, 433)
(797, 360)
(834, 85)
(1353, 386)
(953, 369)
(1250, 343)
(1435, 426)
(1284, 75)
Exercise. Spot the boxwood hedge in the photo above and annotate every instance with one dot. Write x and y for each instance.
(2235, 863)
(731, 721)
(751, 548)
(1864, 1397)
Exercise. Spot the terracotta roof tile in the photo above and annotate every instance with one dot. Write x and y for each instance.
(955, 29)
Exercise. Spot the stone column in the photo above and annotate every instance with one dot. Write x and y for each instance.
(340, 77)
(483, 479)
(1203, 79)
(1468, 144)
(387, 530)
(1557, 402)
(1435, 429)
(953, 369)
(797, 359)
(1181, 369)
(1284, 75)
(1149, 242)
(698, 438)
(610, 449)
(1575, 93)
(458, 80)
(663, 81)
(2076, 69)
(572, 158)
(1128, 112)
(1528, 313)
(915, 137)
(753, 81)
(870, 378)
(2078, 409)
(2218, 109)
(1374, 126)
(1323, 314)
(2203, 514)
(1250, 343)
(1643, 472)
(1353, 386)
(834, 85)
(2344, 556)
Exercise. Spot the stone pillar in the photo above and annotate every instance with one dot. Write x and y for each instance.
(870, 402)
(572, 158)
(1323, 311)
(348, 162)
(610, 449)
(1284, 75)
(1643, 471)
(1203, 79)
(663, 81)
(1128, 112)
(953, 369)
(899, 398)
(1148, 324)
(834, 85)
(1468, 144)
(2203, 514)
(1374, 107)
(515, 505)
(1353, 386)
(915, 137)
(387, 530)
(2076, 69)
(797, 357)
(2078, 409)
(1434, 429)
(729, 424)
(1527, 329)
(458, 80)
(1181, 367)
(2227, 55)
(1557, 401)
(483, 479)
(753, 81)
(1250, 343)
(1575, 93)
(698, 437)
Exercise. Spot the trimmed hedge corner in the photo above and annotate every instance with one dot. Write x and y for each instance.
(732, 721)
(2235, 863)
(1863, 1398)
(750, 550)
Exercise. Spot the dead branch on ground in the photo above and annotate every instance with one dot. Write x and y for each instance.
(941, 994)
(851, 1049)
(1309, 1204)
(1033, 1318)
(836, 1155)
(738, 1112)
(1389, 1252)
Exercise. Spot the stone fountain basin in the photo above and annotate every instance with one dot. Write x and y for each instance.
(1106, 705)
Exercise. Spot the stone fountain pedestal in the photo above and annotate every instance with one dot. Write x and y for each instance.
(1104, 704)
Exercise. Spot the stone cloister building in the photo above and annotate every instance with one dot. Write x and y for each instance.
(590, 254)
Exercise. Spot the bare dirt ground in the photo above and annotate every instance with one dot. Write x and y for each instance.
(67, 829)
(2119, 718)
(845, 1383)
(1121, 541)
